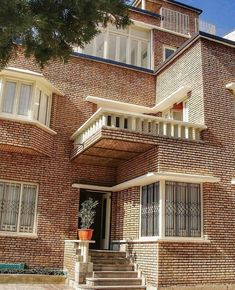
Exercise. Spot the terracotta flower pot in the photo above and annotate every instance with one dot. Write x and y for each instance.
(85, 234)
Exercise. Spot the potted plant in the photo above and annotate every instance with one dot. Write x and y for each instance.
(87, 215)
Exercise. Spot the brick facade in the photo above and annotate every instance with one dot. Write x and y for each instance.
(30, 154)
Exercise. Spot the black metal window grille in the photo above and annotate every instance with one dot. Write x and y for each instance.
(182, 210)
(150, 210)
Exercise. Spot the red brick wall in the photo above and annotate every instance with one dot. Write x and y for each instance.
(58, 201)
(192, 263)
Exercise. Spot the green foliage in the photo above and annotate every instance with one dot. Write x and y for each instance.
(87, 213)
(37, 271)
(48, 28)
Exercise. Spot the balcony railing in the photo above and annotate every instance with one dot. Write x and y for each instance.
(174, 21)
(138, 123)
(204, 26)
(179, 22)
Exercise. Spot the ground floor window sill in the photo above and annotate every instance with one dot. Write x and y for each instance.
(18, 235)
(163, 240)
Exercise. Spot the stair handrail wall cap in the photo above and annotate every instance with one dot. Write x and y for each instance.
(79, 241)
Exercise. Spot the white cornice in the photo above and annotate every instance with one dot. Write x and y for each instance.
(173, 98)
(30, 75)
(151, 178)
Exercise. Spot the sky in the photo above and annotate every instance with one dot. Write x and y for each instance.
(218, 12)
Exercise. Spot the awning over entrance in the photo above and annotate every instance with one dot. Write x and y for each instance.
(149, 178)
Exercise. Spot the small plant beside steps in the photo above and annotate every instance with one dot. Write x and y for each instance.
(87, 215)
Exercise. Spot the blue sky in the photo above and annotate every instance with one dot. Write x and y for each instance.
(218, 12)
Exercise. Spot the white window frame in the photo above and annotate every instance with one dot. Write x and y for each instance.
(35, 85)
(18, 233)
(185, 112)
(129, 38)
(173, 48)
(149, 238)
(18, 82)
(162, 236)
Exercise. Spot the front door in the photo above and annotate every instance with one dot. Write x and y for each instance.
(101, 224)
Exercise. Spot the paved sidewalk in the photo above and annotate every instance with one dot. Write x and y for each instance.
(34, 287)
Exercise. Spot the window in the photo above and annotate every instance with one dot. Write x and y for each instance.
(42, 105)
(168, 51)
(178, 214)
(16, 98)
(17, 207)
(25, 100)
(178, 112)
(150, 210)
(131, 46)
(182, 210)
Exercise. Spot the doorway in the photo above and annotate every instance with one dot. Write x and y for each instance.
(101, 224)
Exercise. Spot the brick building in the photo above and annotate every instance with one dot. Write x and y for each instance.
(140, 119)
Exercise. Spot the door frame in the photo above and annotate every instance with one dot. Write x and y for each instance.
(104, 243)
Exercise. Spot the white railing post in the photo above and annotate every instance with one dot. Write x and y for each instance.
(138, 123)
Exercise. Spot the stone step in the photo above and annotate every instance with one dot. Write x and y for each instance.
(107, 253)
(113, 267)
(116, 261)
(115, 274)
(113, 281)
(87, 287)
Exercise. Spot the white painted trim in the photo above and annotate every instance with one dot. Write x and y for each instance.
(30, 75)
(231, 86)
(28, 121)
(173, 48)
(108, 103)
(149, 178)
(167, 240)
(151, 26)
(173, 98)
(233, 181)
(105, 242)
(17, 233)
(162, 209)
(143, 4)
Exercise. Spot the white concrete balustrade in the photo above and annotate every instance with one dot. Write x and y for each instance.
(135, 122)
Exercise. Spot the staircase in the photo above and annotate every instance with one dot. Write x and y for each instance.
(112, 270)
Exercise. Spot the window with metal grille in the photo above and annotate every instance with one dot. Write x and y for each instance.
(150, 210)
(17, 207)
(182, 210)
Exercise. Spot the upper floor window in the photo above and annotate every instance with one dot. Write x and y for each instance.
(25, 99)
(130, 46)
(18, 207)
(168, 51)
(178, 112)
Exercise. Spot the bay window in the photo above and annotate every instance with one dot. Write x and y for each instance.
(150, 210)
(176, 205)
(18, 207)
(130, 46)
(24, 100)
(182, 210)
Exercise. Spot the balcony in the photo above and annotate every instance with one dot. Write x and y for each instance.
(111, 136)
(180, 23)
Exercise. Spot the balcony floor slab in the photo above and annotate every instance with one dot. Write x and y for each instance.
(112, 146)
